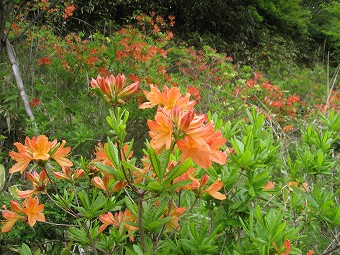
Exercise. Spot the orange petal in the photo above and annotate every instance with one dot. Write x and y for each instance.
(99, 183)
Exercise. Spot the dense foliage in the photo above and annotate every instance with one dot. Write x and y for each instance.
(171, 127)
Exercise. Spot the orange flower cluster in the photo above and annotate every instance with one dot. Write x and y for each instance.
(107, 181)
(117, 220)
(39, 182)
(286, 248)
(39, 149)
(30, 211)
(302, 186)
(175, 213)
(34, 102)
(176, 123)
(155, 24)
(288, 128)
(112, 88)
(269, 185)
(199, 185)
(44, 61)
(68, 11)
(139, 51)
(67, 175)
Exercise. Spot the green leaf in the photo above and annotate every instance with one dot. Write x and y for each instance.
(178, 185)
(245, 158)
(78, 235)
(25, 250)
(129, 149)
(178, 170)
(238, 145)
(251, 191)
(153, 225)
(137, 249)
(14, 191)
(155, 186)
(156, 165)
(37, 252)
(112, 153)
(110, 170)
(84, 198)
(279, 230)
(67, 249)
(132, 207)
(164, 159)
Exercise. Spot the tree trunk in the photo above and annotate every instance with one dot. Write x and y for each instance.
(20, 84)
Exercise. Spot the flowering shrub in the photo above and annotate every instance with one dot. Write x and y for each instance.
(225, 183)
(187, 177)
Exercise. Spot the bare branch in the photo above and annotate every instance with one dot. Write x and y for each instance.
(331, 250)
(13, 18)
(34, 20)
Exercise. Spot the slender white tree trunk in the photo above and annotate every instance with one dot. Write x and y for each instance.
(18, 79)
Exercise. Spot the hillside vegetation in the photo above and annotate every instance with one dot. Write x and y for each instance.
(169, 127)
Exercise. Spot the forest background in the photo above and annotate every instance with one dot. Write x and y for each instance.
(264, 71)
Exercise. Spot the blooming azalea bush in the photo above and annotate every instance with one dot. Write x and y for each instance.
(148, 53)
(210, 161)
(197, 186)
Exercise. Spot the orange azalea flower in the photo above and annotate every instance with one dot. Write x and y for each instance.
(111, 88)
(213, 189)
(39, 182)
(197, 152)
(168, 98)
(66, 174)
(117, 220)
(154, 97)
(108, 183)
(269, 185)
(34, 102)
(12, 217)
(59, 153)
(107, 219)
(195, 92)
(78, 173)
(38, 148)
(30, 210)
(292, 99)
(33, 210)
(188, 175)
(22, 157)
(68, 11)
(288, 128)
(102, 157)
(170, 125)
(175, 214)
(200, 152)
(44, 61)
(276, 103)
(119, 185)
(196, 141)
(303, 186)
(160, 132)
(177, 122)
(101, 183)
